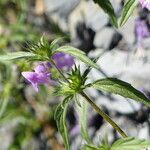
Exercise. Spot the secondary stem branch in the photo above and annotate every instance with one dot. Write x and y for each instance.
(104, 115)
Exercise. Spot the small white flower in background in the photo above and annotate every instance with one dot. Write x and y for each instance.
(145, 4)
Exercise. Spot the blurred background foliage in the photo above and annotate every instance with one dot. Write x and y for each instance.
(25, 115)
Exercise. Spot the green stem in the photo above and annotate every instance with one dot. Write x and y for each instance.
(102, 113)
(53, 63)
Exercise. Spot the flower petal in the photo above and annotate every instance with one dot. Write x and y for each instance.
(41, 68)
(63, 60)
(35, 86)
(30, 76)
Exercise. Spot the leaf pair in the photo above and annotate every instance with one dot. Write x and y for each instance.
(128, 9)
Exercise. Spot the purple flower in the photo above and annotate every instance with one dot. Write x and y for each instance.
(145, 4)
(42, 68)
(63, 60)
(40, 76)
(141, 31)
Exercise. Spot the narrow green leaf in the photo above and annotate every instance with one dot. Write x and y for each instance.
(83, 113)
(122, 88)
(130, 144)
(78, 54)
(77, 100)
(16, 55)
(108, 8)
(70, 49)
(56, 42)
(60, 117)
(127, 11)
(90, 147)
(104, 147)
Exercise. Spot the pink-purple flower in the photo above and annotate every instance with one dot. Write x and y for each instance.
(145, 4)
(63, 61)
(39, 76)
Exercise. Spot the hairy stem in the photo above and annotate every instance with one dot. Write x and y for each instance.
(53, 63)
(104, 115)
(96, 108)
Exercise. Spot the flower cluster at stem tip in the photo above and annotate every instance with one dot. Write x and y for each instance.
(41, 73)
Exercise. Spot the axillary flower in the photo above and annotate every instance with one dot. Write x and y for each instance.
(39, 76)
(145, 4)
(45, 52)
(63, 61)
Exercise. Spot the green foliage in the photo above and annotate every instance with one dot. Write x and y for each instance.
(42, 51)
(90, 147)
(76, 79)
(15, 106)
(128, 9)
(104, 147)
(122, 88)
(75, 84)
(130, 144)
(56, 43)
(27, 112)
(83, 115)
(42, 48)
(15, 55)
(108, 8)
(77, 54)
(60, 117)
(64, 89)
